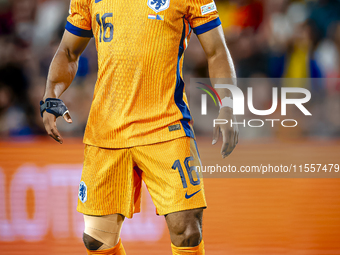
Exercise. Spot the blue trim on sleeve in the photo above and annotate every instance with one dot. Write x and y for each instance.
(207, 26)
(78, 31)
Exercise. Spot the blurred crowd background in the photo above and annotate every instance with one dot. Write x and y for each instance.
(267, 39)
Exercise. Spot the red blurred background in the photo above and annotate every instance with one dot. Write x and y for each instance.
(38, 193)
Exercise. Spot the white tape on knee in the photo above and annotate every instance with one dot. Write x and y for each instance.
(105, 229)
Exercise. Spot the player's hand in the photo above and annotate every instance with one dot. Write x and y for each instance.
(50, 123)
(50, 110)
(229, 134)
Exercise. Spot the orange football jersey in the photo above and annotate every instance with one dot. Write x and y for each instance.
(139, 96)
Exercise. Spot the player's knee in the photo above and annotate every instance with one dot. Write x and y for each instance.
(102, 232)
(191, 237)
(91, 243)
(186, 233)
(185, 228)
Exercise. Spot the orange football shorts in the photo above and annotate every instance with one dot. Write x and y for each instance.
(111, 180)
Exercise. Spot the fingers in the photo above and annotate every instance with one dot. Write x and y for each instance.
(226, 143)
(236, 138)
(230, 139)
(229, 142)
(55, 135)
(51, 128)
(229, 132)
(216, 134)
(67, 117)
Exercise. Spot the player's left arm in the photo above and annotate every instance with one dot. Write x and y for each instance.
(221, 70)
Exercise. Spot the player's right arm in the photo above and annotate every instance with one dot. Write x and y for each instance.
(64, 65)
(62, 71)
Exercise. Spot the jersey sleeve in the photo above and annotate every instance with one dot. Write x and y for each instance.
(79, 20)
(202, 15)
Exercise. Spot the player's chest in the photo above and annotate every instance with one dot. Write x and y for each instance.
(139, 12)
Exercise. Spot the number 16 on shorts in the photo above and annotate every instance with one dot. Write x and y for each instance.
(190, 169)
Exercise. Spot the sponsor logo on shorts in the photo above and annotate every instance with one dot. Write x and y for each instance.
(174, 127)
(190, 196)
(82, 193)
(208, 8)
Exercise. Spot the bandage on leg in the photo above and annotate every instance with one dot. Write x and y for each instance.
(105, 229)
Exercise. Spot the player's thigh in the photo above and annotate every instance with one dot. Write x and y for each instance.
(170, 174)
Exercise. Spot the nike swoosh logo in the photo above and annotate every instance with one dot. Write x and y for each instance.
(97, 1)
(193, 194)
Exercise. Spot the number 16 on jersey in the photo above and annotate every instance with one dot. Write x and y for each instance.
(106, 28)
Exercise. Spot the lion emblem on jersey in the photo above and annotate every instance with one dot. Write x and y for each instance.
(159, 5)
(82, 192)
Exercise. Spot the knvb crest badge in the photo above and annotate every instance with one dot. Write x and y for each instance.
(82, 193)
(159, 5)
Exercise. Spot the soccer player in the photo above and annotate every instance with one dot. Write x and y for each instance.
(139, 123)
